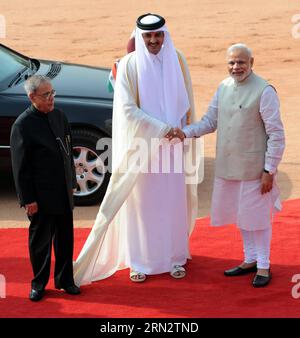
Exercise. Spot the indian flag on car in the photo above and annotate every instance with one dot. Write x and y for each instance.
(112, 77)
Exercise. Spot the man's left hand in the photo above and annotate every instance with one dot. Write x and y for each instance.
(266, 183)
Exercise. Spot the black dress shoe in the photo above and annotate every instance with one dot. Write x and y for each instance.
(36, 295)
(238, 271)
(260, 281)
(71, 290)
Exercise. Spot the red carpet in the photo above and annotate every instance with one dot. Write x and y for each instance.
(205, 292)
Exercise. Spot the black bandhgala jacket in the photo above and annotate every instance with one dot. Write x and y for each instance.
(42, 161)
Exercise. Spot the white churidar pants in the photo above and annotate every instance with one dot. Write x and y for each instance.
(257, 247)
(242, 203)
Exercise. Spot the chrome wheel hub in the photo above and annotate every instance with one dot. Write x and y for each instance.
(90, 171)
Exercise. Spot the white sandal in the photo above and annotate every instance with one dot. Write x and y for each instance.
(178, 271)
(137, 277)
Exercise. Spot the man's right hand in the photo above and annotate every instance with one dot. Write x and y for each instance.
(175, 133)
(31, 208)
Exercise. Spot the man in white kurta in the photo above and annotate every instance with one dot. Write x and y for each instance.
(145, 219)
(250, 145)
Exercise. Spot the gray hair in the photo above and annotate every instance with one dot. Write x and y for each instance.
(240, 46)
(33, 83)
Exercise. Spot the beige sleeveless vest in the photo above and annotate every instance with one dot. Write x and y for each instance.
(241, 135)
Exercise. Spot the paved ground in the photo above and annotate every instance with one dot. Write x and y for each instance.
(94, 33)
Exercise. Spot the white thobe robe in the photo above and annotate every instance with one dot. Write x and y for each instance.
(145, 219)
(241, 202)
(155, 215)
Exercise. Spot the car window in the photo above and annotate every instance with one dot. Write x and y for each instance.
(11, 64)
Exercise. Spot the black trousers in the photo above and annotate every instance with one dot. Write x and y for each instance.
(45, 229)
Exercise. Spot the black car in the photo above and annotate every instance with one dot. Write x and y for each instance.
(82, 94)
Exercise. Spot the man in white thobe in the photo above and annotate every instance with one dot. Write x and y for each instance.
(250, 145)
(145, 219)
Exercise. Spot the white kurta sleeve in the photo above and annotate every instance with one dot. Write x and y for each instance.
(207, 124)
(270, 114)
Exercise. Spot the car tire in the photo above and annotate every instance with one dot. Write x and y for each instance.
(91, 182)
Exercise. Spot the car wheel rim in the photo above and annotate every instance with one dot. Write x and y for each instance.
(90, 171)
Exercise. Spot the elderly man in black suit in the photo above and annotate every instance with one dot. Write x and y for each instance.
(45, 177)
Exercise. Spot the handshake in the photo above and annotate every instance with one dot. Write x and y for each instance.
(175, 133)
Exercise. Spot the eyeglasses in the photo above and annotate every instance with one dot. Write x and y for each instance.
(47, 95)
